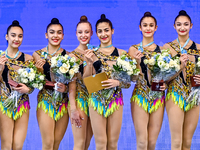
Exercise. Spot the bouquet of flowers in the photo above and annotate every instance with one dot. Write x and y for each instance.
(162, 67)
(28, 76)
(64, 68)
(123, 70)
(195, 90)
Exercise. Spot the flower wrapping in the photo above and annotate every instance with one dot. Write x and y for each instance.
(162, 65)
(64, 68)
(28, 76)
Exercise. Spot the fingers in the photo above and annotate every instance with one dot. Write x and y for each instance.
(40, 63)
(61, 87)
(162, 88)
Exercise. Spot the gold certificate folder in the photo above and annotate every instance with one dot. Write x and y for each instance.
(93, 83)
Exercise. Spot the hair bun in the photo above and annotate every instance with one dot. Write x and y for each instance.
(83, 19)
(55, 21)
(15, 23)
(103, 16)
(182, 12)
(147, 14)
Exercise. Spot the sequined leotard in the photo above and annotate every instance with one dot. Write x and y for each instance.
(180, 87)
(45, 95)
(142, 91)
(106, 107)
(10, 73)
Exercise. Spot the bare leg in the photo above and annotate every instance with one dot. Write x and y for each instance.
(140, 120)
(20, 131)
(79, 134)
(114, 128)
(46, 125)
(176, 118)
(89, 134)
(98, 123)
(189, 126)
(60, 128)
(154, 126)
(6, 126)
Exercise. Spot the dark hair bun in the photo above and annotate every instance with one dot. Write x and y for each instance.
(15, 23)
(55, 21)
(103, 16)
(147, 14)
(182, 12)
(83, 19)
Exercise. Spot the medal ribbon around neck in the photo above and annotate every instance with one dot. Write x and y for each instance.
(14, 56)
(183, 51)
(53, 53)
(96, 48)
(141, 47)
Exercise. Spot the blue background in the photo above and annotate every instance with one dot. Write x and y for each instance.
(35, 15)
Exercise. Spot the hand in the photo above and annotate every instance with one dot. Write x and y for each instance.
(110, 83)
(163, 87)
(138, 55)
(197, 79)
(184, 58)
(61, 87)
(76, 118)
(22, 88)
(3, 60)
(89, 54)
(39, 64)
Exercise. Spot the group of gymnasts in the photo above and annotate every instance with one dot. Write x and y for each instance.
(90, 114)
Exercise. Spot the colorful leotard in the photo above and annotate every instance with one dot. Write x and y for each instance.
(149, 100)
(45, 95)
(81, 91)
(10, 73)
(179, 88)
(107, 106)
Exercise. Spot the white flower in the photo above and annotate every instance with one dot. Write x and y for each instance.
(19, 71)
(160, 64)
(71, 72)
(171, 64)
(41, 77)
(73, 59)
(146, 61)
(76, 68)
(134, 61)
(152, 61)
(53, 61)
(66, 65)
(134, 66)
(24, 80)
(40, 86)
(66, 56)
(166, 67)
(63, 69)
(24, 73)
(31, 76)
(35, 85)
(130, 73)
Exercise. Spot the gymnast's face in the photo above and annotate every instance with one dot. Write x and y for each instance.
(104, 33)
(148, 27)
(55, 34)
(183, 25)
(84, 33)
(14, 37)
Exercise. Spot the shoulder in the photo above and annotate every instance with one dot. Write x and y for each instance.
(198, 46)
(28, 57)
(121, 51)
